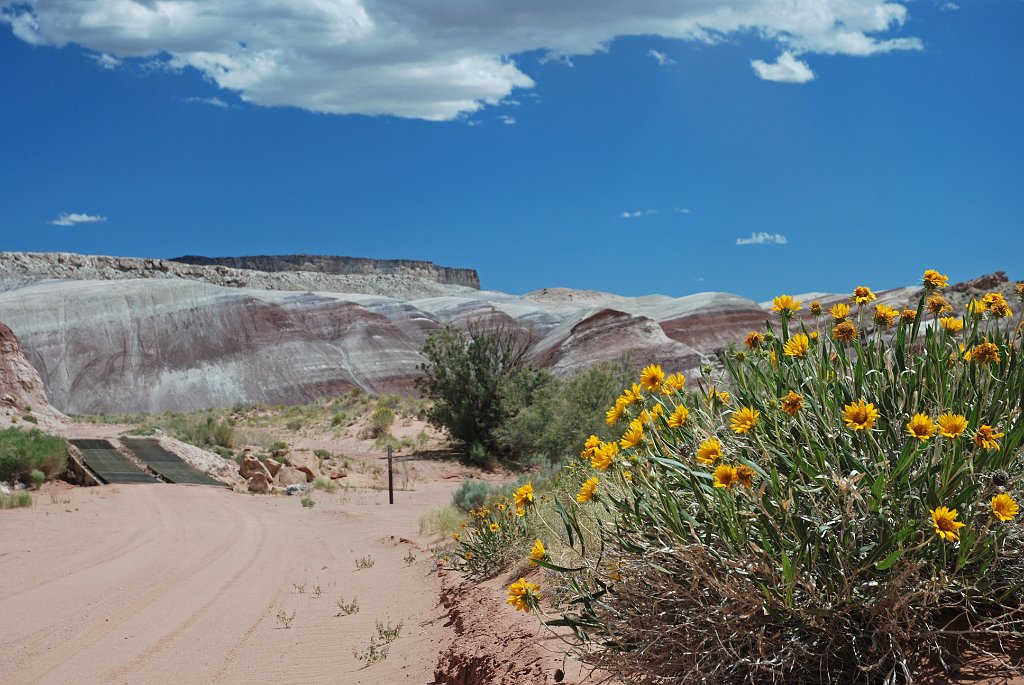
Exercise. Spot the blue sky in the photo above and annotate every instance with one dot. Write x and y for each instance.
(877, 139)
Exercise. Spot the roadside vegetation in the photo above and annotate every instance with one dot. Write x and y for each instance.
(31, 456)
(842, 505)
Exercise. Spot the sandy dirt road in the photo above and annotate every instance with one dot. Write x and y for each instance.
(182, 584)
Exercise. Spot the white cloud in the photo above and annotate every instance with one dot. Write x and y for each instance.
(638, 213)
(949, 7)
(430, 60)
(66, 219)
(786, 69)
(662, 59)
(681, 210)
(106, 61)
(214, 102)
(763, 238)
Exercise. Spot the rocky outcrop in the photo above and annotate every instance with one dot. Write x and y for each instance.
(290, 476)
(22, 393)
(251, 466)
(20, 268)
(342, 266)
(305, 461)
(259, 483)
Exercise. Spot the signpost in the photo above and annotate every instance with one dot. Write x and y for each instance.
(391, 479)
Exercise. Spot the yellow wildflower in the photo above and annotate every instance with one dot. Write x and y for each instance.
(951, 425)
(753, 340)
(885, 315)
(844, 332)
(909, 315)
(997, 305)
(523, 496)
(933, 280)
(652, 377)
(589, 446)
(792, 403)
(839, 311)
(862, 295)
(537, 553)
(495, 527)
(976, 307)
(785, 304)
(679, 416)
(634, 394)
(796, 346)
(816, 308)
(726, 476)
(937, 304)
(987, 438)
(743, 420)
(633, 435)
(615, 413)
(520, 512)
(921, 427)
(456, 537)
(1004, 507)
(745, 475)
(627, 476)
(709, 451)
(587, 490)
(673, 383)
(985, 352)
(946, 525)
(860, 415)
(718, 396)
(603, 455)
(952, 324)
(523, 595)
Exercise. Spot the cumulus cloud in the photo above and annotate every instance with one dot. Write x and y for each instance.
(949, 7)
(428, 60)
(507, 120)
(661, 58)
(70, 219)
(786, 69)
(681, 210)
(638, 213)
(763, 238)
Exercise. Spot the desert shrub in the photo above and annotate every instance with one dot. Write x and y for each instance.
(322, 454)
(37, 478)
(277, 446)
(846, 513)
(324, 483)
(295, 424)
(446, 519)
(22, 452)
(552, 417)
(223, 452)
(30, 418)
(202, 429)
(15, 500)
(462, 376)
(472, 494)
(496, 535)
(380, 421)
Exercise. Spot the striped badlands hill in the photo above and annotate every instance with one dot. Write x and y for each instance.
(186, 339)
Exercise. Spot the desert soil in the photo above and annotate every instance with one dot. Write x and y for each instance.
(184, 584)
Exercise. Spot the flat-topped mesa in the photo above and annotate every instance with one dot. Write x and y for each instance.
(344, 266)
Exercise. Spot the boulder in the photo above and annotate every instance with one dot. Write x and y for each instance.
(338, 474)
(251, 466)
(290, 476)
(304, 461)
(273, 466)
(259, 482)
(296, 489)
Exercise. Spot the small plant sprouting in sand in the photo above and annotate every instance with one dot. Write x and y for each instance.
(388, 633)
(349, 608)
(285, 619)
(365, 562)
(409, 558)
(300, 587)
(317, 591)
(373, 653)
(307, 502)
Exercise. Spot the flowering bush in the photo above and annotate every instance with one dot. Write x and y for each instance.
(847, 511)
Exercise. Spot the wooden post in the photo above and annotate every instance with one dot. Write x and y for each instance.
(391, 479)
